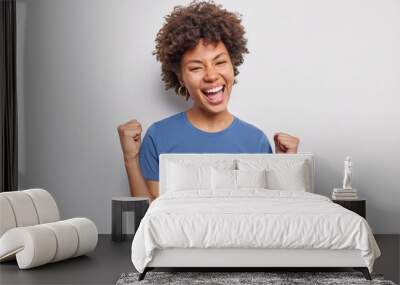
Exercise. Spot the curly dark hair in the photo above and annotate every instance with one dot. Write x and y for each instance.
(184, 28)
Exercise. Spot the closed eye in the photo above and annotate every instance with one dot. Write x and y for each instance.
(221, 62)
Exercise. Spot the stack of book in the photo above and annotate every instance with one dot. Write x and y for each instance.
(344, 194)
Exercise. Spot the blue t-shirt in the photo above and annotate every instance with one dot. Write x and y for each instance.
(176, 134)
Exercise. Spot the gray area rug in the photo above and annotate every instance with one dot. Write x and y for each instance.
(228, 278)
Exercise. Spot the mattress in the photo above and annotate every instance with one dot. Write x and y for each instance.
(250, 218)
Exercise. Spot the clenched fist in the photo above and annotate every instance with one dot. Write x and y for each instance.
(130, 138)
(285, 143)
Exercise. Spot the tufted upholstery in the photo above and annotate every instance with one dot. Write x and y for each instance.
(31, 231)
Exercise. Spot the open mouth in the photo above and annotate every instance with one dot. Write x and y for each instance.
(214, 95)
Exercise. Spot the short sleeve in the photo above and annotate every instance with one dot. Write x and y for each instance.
(265, 146)
(148, 156)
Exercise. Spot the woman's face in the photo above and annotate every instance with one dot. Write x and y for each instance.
(207, 73)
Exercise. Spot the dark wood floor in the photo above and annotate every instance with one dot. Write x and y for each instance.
(110, 259)
(102, 266)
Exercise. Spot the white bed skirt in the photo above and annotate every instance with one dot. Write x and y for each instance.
(236, 257)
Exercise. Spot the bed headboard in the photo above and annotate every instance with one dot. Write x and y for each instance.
(209, 158)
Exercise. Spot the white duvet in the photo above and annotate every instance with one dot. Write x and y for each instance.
(250, 218)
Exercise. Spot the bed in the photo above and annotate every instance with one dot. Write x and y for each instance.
(247, 210)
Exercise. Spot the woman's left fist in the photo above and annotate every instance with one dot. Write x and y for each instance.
(285, 143)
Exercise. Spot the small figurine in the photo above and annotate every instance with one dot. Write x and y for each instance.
(347, 173)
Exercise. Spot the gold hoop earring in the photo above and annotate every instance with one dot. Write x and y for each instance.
(179, 90)
(186, 92)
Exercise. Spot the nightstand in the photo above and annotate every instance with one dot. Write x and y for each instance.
(358, 206)
(119, 205)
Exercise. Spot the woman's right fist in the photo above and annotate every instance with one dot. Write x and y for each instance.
(130, 138)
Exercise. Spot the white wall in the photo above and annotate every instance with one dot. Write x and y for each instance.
(325, 71)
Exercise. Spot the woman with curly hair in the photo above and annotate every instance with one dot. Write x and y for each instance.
(200, 48)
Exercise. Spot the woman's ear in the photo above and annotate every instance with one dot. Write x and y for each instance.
(180, 79)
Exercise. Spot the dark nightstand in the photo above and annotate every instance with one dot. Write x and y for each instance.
(138, 205)
(358, 206)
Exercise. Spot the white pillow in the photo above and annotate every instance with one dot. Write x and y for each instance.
(287, 179)
(223, 178)
(282, 174)
(235, 179)
(181, 177)
(251, 178)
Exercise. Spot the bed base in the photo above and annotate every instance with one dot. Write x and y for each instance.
(364, 270)
(249, 259)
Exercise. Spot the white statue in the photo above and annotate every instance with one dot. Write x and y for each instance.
(347, 173)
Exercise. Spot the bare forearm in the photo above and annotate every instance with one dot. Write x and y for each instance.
(137, 184)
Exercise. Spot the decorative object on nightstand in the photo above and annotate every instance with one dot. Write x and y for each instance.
(120, 205)
(358, 206)
(346, 192)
